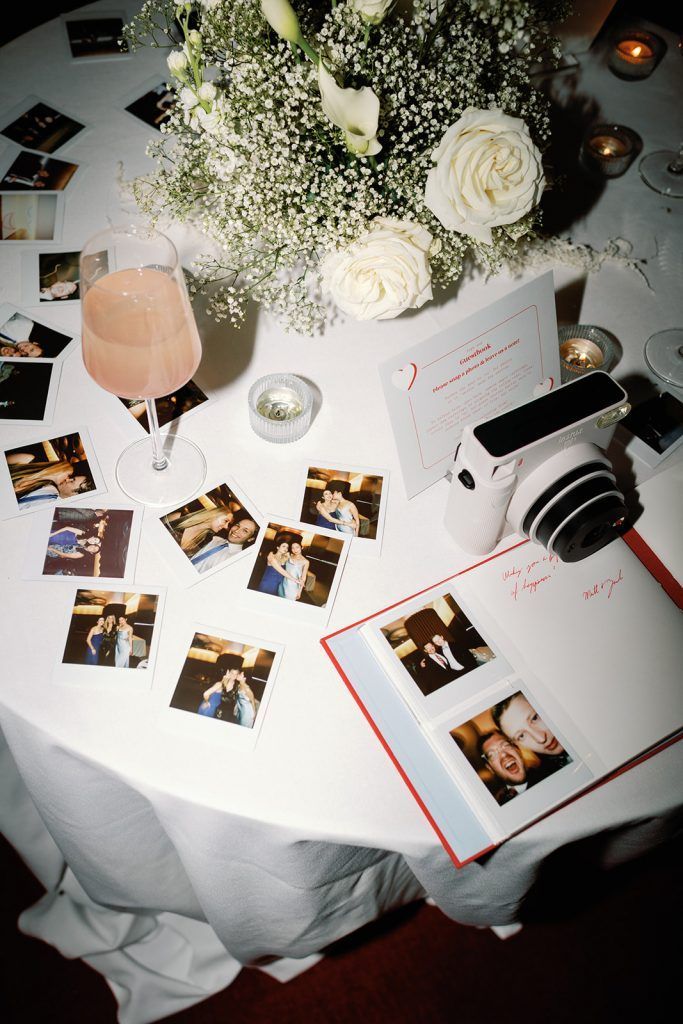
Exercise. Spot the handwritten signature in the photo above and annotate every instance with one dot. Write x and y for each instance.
(529, 578)
(607, 584)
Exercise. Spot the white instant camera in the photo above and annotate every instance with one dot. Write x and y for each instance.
(541, 470)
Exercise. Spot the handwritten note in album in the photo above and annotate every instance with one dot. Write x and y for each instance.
(495, 359)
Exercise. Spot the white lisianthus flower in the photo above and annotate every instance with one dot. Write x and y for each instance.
(188, 98)
(177, 61)
(208, 122)
(355, 111)
(195, 38)
(372, 11)
(281, 17)
(382, 273)
(207, 92)
(488, 172)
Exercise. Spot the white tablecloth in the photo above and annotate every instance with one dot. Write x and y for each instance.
(179, 849)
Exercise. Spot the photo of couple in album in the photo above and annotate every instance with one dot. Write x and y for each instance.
(511, 747)
(212, 529)
(224, 679)
(111, 629)
(437, 644)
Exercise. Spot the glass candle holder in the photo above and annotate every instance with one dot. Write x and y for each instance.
(635, 53)
(584, 348)
(280, 407)
(609, 149)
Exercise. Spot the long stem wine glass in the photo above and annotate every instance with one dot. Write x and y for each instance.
(140, 340)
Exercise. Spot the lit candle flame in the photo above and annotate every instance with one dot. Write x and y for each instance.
(636, 51)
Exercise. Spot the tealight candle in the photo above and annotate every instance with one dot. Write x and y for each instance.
(280, 407)
(609, 149)
(584, 348)
(635, 54)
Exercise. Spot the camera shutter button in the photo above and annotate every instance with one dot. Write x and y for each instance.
(466, 479)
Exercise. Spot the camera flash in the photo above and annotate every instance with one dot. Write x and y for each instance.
(613, 416)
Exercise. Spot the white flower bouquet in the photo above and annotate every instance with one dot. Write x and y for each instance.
(353, 153)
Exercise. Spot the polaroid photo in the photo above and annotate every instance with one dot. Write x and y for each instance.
(351, 501)
(28, 390)
(30, 218)
(152, 103)
(436, 651)
(653, 430)
(512, 756)
(226, 680)
(37, 474)
(297, 570)
(30, 172)
(34, 124)
(213, 530)
(51, 277)
(84, 543)
(22, 336)
(111, 636)
(179, 404)
(96, 37)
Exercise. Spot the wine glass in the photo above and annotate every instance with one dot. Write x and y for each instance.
(140, 341)
(664, 355)
(663, 172)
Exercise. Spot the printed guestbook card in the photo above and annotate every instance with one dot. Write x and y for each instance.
(494, 360)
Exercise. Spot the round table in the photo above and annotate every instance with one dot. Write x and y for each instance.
(161, 853)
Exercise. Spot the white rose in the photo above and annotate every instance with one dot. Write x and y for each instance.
(383, 272)
(208, 122)
(195, 38)
(488, 172)
(177, 61)
(372, 11)
(355, 111)
(188, 98)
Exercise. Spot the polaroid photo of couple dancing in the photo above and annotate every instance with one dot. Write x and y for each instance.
(350, 501)
(226, 679)
(211, 531)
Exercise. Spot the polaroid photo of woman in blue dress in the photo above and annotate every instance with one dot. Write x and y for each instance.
(209, 532)
(84, 543)
(349, 501)
(37, 474)
(111, 636)
(226, 679)
(297, 571)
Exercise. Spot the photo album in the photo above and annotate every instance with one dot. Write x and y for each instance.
(511, 687)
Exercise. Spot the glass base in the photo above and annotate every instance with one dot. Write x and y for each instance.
(664, 355)
(654, 170)
(183, 476)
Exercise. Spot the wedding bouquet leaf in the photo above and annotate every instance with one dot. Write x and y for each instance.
(352, 153)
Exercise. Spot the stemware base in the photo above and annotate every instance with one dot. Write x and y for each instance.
(656, 172)
(180, 480)
(664, 355)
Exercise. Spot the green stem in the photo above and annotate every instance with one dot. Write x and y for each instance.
(366, 33)
(295, 51)
(309, 51)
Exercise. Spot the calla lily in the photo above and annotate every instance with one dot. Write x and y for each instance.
(282, 18)
(355, 111)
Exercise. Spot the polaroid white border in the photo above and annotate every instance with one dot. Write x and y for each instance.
(361, 545)
(51, 398)
(88, 15)
(40, 533)
(539, 798)
(12, 153)
(179, 561)
(7, 309)
(8, 502)
(30, 281)
(201, 727)
(142, 90)
(8, 116)
(106, 675)
(295, 610)
(58, 221)
(460, 689)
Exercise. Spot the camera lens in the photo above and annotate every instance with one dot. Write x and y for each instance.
(590, 529)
